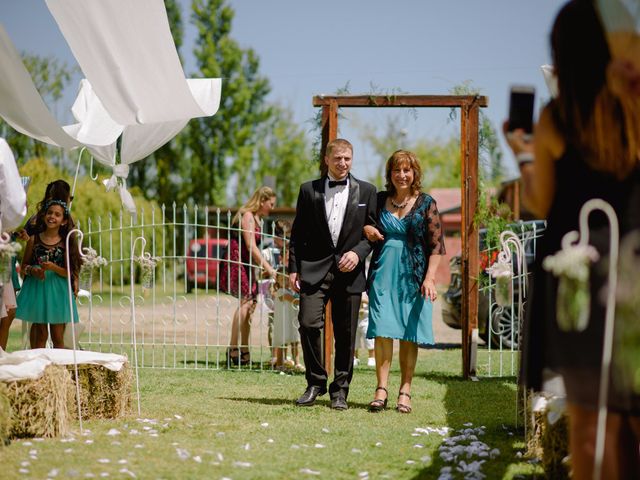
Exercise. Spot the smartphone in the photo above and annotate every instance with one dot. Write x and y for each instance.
(521, 102)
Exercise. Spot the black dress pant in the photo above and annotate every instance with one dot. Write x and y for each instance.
(344, 315)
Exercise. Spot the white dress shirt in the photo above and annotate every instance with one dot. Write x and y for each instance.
(335, 205)
(13, 200)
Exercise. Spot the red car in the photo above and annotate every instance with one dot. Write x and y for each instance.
(203, 259)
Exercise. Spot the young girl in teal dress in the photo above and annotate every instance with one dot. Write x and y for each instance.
(44, 297)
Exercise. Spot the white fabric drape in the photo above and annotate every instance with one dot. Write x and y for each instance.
(21, 106)
(30, 364)
(126, 50)
(13, 200)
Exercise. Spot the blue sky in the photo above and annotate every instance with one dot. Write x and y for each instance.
(309, 48)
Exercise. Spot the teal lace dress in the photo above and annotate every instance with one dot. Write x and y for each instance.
(46, 301)
(397, 310)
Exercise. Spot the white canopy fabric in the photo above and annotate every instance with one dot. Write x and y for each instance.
(21, 106)
(13, 200)
(126, 50)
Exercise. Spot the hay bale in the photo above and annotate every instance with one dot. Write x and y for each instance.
(546, 440)
(41, 406)
(6, 416)
(555, 448)
(103, 392)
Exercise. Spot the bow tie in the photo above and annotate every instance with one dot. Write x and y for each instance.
(334, 183)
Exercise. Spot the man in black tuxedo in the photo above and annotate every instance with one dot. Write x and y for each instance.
(326, 260)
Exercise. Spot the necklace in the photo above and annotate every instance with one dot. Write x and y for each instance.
(400, 206)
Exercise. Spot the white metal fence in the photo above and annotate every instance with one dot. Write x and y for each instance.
(182, 319)
(500, 327)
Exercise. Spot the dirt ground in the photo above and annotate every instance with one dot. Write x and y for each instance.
(191, 320)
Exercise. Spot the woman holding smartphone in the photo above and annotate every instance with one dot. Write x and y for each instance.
(585, 147)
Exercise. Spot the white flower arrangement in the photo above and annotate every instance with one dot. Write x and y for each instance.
(147, 266)
(502, 273)
(571, 266)
(626, 354)
(91, 259)
(9, 249)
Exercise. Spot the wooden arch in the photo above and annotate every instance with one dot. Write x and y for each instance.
(469, 106)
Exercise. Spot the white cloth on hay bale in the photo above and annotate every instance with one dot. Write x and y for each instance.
(30, 364)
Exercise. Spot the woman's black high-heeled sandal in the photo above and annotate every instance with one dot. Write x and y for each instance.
(379, 404)
(233, 360)
(401, 407)
(245, 357)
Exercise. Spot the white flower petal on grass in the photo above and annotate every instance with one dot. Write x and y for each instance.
(154, 435)
(270, 440)
(33, 451)
(219, 457)
(39, 439)
(28, 444)
(468, 424)
(197, 459)
(122, 461)
(410, 462)
(23, 470)
(126, 471)
(220, 434)
(246, 446)
(265, 424)
(133, 431)
(242, 464)
(116, 443)
(65, 440)
(89, 475)
(356, 450)
(182, 453)
(425, 459)
(174, 444)
(33, 457)
(88, 441)
(378, 444)
(104, 460)
(325, 430)
(68, 450)
(53, 472)
(104, 474)
(25, 463)
(113, 431)
(179, 417)
(418, 445)
(138, 445)
(295, 447)
(308, 471)
(363, 474)
(319, 445)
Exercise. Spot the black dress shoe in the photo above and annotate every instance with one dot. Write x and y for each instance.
(339, 403)
(308, 398)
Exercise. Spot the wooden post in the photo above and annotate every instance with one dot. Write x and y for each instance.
(329, 132)
(470, 244)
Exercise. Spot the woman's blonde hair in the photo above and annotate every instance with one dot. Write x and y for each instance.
(254, 203)
(400, 157)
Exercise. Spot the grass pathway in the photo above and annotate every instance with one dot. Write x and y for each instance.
(237, 425)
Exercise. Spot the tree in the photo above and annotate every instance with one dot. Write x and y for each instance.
(50, 77)
(284, 155)
(225, 143)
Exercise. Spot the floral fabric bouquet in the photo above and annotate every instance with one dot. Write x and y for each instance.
(571, 266)
(147, 266)
(90, 262)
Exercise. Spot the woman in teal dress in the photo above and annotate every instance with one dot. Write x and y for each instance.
(409, 245)
(44, 297)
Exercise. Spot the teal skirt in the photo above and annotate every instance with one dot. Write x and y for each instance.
(45, 301)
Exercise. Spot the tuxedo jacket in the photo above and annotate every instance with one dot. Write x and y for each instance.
(311, 251)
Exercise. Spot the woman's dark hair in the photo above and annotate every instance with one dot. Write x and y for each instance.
(580, 55)
(56, 190)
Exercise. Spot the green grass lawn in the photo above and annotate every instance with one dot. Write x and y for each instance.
(243, 424)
